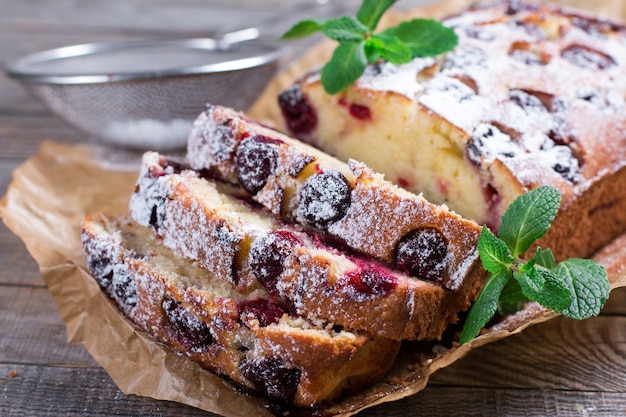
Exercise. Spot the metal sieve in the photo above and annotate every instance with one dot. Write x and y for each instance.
(146, 94)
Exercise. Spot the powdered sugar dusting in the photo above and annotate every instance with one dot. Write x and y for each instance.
(177, 304)
(378, 218)
(214, 141)
(399, 79)
(522, 70)
(371, 219)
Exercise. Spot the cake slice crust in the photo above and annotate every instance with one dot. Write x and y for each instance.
(287, 358)
(346, 201)
(299, 269)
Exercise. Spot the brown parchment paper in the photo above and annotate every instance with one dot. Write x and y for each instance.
(52, 191)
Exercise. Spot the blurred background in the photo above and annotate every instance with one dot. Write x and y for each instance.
(28, 26)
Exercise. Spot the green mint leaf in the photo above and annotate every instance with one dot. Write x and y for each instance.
(545, 287)
(528, 218)
(512, 293)
(346, 66)
(371, 11)
(389, 48)
(345, 28)
(589, 285)
(372, 53)
(494, 253)
(303, 29)
(544, 257)
(576, 288)
(485, 306)
(512, 299)
(419, 37)
(425, 37)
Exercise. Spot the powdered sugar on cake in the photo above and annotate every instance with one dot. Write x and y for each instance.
(300, 273)
(349, 203)
(503, 53)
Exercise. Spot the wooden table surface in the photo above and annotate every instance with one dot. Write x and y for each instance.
(559, 368)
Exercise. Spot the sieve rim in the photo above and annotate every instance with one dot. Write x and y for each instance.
(22, 70)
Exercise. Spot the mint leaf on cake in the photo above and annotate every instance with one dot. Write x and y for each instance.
(575, 288)
(359, 45)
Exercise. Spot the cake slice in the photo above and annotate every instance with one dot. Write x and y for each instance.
(244, 337)
(532, 95)
(347, 202)
(249, 248)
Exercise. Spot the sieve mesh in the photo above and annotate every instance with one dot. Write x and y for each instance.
(146, 94)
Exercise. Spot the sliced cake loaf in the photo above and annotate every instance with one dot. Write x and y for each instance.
(345, 201)
(532, 95)
(245, 337)
(248, 247)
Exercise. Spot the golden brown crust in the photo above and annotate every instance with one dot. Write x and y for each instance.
(414, 310)
(195, 219)
(532, 95)
(374, 222)
(182, 312)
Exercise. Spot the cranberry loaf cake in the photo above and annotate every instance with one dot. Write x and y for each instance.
(245, 337)
(250, 249)
(346, 202)
(532, 95)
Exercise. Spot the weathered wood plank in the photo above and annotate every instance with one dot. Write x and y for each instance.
(31, 329)
(18, 266)
(561, 354)
(39, 390)
(21, 135)
(439, 401)
(31, 390)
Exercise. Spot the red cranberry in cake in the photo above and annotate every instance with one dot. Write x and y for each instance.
(564, 162)
(526, 101)
(526, 56)
(124, 287)
(265, 311)
(593, 25)
(353, 206)
(422, 252)
(255, 161)
(519, 68)
(488, 142)
(271, 377)
(515, 7)
(101, 269)
(587, 58)
(358, 111)
(190, 332)
(116, 281)
(297, 111)
(324, 198)
(267, 256)
(248, 339)
(367, 282)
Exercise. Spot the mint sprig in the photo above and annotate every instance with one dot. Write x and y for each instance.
(359, 45)
(575, 288)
